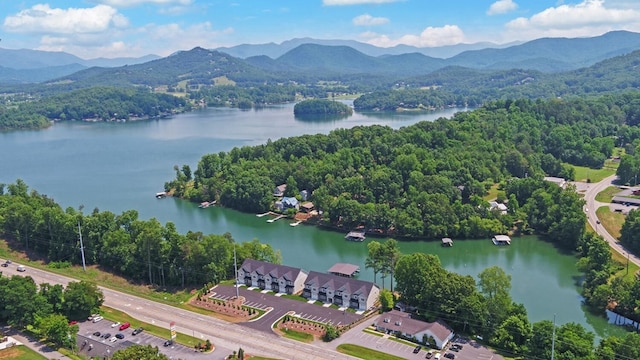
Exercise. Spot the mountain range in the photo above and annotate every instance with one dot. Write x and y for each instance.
(309, 62)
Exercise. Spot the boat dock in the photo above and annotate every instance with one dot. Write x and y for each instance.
(296, 223)
(206, 204)
(447, 242)
(344, 269)
(275, 219)
(501, 240)
(355, 236)
(264, 214)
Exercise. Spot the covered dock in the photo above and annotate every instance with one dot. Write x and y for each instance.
(447, 242)
(501, 240)
(344, 269)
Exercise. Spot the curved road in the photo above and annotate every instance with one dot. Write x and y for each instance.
(592, 205)
(225, 336)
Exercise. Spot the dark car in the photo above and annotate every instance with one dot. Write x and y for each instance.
(6, 263)
(417, 349)
(450, 355)
(106, 335)
(168, 343)
(120, 335)
(97, 333)
(137, 331)
(458, 347)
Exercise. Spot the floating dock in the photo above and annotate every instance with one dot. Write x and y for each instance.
(296, 223)
(355, 236)
(276, 219)
(501, 240)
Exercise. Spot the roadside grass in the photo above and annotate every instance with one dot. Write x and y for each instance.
(621, 265)
(297, 335)
(586, 174)
(365, 353)
(68, 353)
(159, 331)
(611, 221)
(20, 352)
(607, 194)
(293, 297)
(373, 332)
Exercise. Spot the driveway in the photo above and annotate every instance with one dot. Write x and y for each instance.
(280, 306)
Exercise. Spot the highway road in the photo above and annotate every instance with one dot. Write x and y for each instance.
(590, 208)
(225, 336)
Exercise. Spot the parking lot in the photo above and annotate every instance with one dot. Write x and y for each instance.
(280, 306)
(98, 346)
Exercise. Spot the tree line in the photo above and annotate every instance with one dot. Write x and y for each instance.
(428, 180)
(45, 309)
(140, 250)
(94, 104)
(485, 308)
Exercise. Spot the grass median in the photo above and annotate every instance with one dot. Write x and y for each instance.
(365, 353)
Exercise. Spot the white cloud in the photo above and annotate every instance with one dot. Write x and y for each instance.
(588, 18)
(429, 37)
(354, 2)
(43, 19)
(368, 20)
(131, 3)
(502, 7)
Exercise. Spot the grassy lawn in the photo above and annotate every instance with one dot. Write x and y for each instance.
(365, 353)
(20, 353)
(595, 175)
(607, 194)
(160, 331)
(612, 221)
(622, 267)
(492, 194)
(297, 335)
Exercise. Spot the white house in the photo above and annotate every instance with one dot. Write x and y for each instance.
(268, 276)
(400, 323)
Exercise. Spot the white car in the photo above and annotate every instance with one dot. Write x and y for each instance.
(115, 324)
(97, 318)
(113, 339)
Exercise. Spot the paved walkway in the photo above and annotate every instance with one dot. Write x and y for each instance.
(33, 344)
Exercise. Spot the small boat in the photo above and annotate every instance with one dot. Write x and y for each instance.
(161, 195)
(355, 236)
(501, 240)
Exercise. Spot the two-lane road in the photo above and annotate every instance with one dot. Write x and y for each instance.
(225, 336)
(592, 205)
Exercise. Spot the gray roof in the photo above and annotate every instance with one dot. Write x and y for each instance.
(340, 283)
(343, 269)
(275, 270)
(399, 321)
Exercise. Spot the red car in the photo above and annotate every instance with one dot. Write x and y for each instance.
(72, 322)
(124, 326)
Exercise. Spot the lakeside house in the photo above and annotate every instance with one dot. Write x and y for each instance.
(274, 277)
(339, 290)
(279, 190)
(495, 206)
(401, 324)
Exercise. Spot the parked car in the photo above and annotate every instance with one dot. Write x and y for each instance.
(113, 339)
(137, 331)
(6, 263)
(97, 318)
(21, 268)
(97, 333)
(115, 324)
(417, 349)
(106, 335)
(450, 355)
(92, 316)
(73, 322)
(120, 335)
(168, 343)
(124, 326)
(429, 355)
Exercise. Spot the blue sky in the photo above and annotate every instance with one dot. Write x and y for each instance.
(116, 28)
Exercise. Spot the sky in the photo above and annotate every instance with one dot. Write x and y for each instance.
(132, 28)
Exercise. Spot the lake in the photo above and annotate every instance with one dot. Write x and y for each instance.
(120, 166)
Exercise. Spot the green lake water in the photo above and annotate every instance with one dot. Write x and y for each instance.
(118, 167)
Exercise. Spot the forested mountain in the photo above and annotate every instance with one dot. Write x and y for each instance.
(21, 76)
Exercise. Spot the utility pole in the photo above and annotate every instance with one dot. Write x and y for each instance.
(235, 266)
(553, 338)
(84, 266)
(627, 263)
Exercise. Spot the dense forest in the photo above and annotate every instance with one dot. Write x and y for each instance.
(428, 180)
(140, 250)
(321, 107)
(93, 104)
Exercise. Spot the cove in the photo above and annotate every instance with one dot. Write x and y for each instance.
(119, 167)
